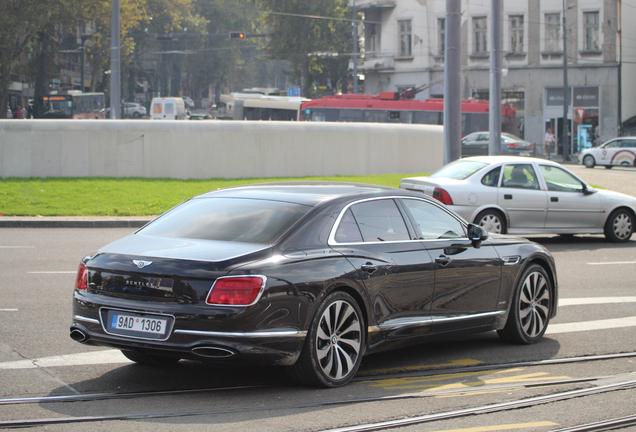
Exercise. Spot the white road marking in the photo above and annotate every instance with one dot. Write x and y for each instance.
(591, 325)
(595, 300)
(612, 263)
(8, 310)
(17, 247)
(116, 357)
(52, 272)
(86, 358)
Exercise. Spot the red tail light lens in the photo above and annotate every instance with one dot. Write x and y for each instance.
(513, 145)
(236, 291)
(442, 196)
(81, 282)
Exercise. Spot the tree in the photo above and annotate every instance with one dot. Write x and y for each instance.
(300, 37)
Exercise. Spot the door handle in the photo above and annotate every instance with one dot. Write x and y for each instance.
(369, 268)
(554, 199)
(443, 260)
(507, 196)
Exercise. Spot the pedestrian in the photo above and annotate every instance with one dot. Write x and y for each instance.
(18, 112)
(30, 111)
(9, 113)
(24, 112)
(549, 142)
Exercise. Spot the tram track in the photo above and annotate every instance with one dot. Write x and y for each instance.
(628, 380)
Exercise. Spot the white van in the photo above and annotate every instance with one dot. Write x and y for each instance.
(167, 108)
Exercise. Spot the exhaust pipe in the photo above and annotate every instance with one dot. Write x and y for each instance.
(214, 352)
(78, 335)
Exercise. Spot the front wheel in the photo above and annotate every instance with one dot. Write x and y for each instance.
(589, 161)
(334, 345)
(619, 226)
(492, 221)
(530, 309)
(136, 114)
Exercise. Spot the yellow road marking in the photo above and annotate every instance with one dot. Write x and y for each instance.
(454, 363)
(502, 427)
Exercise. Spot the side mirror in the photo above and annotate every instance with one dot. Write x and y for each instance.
(476, 234)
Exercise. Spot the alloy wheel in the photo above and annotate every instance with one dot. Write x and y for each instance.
(534, 304)
(622, 226)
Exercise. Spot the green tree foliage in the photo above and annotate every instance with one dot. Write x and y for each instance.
(301, 33)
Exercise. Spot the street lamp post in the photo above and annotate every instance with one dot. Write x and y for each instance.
(84, 39)
(355, 50)
(566, 141)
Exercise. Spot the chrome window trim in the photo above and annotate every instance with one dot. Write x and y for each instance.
(256, 334)
(332, 235)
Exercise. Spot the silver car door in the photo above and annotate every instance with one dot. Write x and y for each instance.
(521, 196)
(569, 203)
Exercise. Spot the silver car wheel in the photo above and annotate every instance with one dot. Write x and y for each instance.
(491, 223)
(622, 226)
(338, 340)
(534, 304)
(588, 161)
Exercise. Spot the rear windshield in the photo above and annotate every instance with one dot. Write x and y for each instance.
(459, 170)
(228, 219)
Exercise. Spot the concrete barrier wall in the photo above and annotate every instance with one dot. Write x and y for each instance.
(214, 149)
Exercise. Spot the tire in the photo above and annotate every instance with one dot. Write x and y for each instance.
(589, 161)
(136, 114)
(608, 167)
(619, 226)
(530, 309)
(149, 359)
(492, 221)
(334, 345)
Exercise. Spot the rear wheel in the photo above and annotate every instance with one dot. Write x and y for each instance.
(150, 359)
(619, 226)
(530, 309)
(492, 221)
(589, 161)
(334, 345)
(136, 114)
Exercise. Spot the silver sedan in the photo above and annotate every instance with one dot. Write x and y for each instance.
(519, 195)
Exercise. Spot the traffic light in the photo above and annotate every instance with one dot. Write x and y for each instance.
(237, 35)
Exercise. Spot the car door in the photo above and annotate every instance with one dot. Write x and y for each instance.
(608, 151)
(467, 278)
(475, 144)
(569, 203)
(395, 268)
(521, 196)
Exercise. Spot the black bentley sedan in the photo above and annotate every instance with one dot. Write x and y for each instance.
(308, 275)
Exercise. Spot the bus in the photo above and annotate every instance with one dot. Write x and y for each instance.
(387, 108)
(253, 106)
(74, 105)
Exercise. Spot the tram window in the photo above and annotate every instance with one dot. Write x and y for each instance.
(394, 116)
(349, 115)
(428, 117)
(375, 116)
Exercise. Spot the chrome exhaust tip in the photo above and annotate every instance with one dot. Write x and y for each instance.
(214, 352)
(78, 335)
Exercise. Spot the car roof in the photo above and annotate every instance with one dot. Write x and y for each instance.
(307, 193)
(508, 159)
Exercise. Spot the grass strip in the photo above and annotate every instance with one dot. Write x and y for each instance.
(101, 196)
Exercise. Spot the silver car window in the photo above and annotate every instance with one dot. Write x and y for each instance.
(558, 179)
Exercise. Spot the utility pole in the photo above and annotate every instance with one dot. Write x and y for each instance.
(115, 73)
(566, 143)
(494, 126)
(84, 39)
(452, 82)
(355, 50)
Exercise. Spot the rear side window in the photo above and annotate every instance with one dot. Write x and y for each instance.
(492, 178)
(380, 220)
(228, 219)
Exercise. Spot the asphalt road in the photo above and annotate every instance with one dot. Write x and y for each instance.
(38, 359)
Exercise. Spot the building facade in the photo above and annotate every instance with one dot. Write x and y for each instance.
(404, 45)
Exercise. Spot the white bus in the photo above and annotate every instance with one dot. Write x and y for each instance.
(252, 106)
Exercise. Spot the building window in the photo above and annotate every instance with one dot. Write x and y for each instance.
(552, 32)
(480, 31)
(516, 34)
(371, 38)
(591, 20)
(405, 38)
(441, 25)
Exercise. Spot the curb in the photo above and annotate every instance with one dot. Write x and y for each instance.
(66, 223)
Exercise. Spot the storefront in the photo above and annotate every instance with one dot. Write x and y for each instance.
(583, 117)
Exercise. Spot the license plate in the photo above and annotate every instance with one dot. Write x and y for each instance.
(137, 325)
(144, 325)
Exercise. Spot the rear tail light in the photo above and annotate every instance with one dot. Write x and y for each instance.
(81, 282)
(513, 145)
(236, 291)
(442, 196)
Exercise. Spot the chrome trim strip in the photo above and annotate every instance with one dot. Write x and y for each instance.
(90, 320)
(267, 334)
(408, 322)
